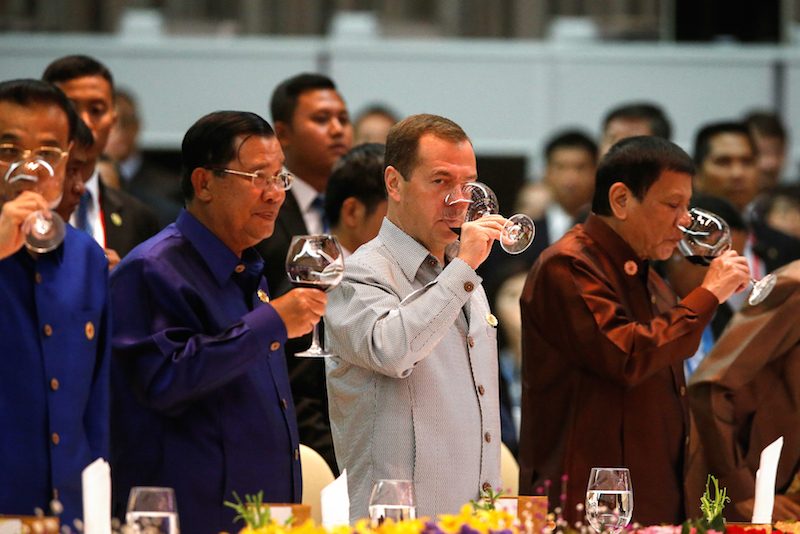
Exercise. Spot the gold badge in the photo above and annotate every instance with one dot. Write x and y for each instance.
(89, 330)
(262, 296)
(491, 319)
(116, 219)
(631, 268)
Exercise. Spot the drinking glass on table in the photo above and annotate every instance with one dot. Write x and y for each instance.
(152, 510)
(609, 499)
(392, 499)
(315, 261)
(708, 236)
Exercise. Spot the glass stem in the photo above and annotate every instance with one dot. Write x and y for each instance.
(315, 344)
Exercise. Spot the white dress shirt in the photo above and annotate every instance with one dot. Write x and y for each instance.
(304, 194)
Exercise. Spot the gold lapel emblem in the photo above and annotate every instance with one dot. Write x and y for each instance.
(631, 268)
(491, 320)
(262, 296)
(116, 219)
(89, 330)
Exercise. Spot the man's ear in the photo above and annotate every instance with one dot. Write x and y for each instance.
(282, 131)
(352, 213)
(201, 179)
(392, 179)
(620, 197)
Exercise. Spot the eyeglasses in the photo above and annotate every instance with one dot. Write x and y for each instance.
(10, 153)
(281, 181)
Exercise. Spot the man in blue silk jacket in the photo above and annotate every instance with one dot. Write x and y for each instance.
(201, 397)
(54, 339)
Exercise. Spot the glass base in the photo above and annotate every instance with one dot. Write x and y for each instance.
(313, 352)
(762, 289)
(44, 234)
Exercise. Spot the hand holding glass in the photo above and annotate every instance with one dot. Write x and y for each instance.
(392, 499)
(315, 261)
(609, 499)
(43, 232)
(152, 510)
(708, 236)
(518, 231)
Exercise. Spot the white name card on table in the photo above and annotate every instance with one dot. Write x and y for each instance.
(765, 482)
(10, 526)
(96, 480)
(335, 503)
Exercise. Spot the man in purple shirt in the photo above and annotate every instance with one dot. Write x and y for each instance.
(201, 398)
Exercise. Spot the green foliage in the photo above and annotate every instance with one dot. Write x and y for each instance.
(711, 507)
(252, 511)
(487, 500)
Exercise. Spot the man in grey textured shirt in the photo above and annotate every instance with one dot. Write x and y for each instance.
(413, 390)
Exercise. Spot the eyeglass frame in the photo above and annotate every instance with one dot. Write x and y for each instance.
(25, 153)
(284, 176)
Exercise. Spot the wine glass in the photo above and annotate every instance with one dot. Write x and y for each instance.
(43, 232)
(609, 499)
(518, 231)
(152, 510)
(392, 499)
(315, 261)
(708, 236)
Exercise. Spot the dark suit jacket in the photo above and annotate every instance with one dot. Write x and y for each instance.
(306, 375)
(603, 345)
(746, 393)
(127, 221)
(158, 188)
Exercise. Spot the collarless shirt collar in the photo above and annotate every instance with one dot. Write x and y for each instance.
(407, 251)
(220, 259)
(617, 248)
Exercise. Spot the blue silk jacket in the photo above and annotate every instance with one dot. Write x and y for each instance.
(54, 360)
(201, 399)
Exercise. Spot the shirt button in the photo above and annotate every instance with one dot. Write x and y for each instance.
(55, 438)
(297, 454)
(683, 391)
(274, 346)
(284, 404)
(470, 341)
(653, 299)
(239, 268)
(468, 286)
(687, 441)
(431, 262)
(481, 390)
(486, 486)
(54, 384)
(487, 437)
(48, 330)
(38, 278)
(89, 330)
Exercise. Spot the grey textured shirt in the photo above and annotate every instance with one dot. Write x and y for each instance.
(413, 389)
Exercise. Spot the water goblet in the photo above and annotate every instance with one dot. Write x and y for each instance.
(152, 510)
(315, 261)
(392, 499)
(609, 499)
(480, 200)
(708, 236)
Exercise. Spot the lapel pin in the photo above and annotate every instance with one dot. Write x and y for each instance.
(631, 268)
(262, 296)
(491, 319)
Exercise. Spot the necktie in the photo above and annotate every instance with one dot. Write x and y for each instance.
(82, 217)
(319, 206)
